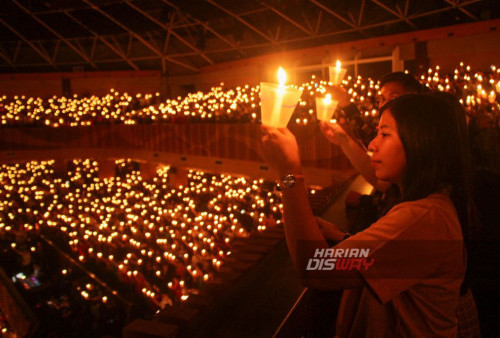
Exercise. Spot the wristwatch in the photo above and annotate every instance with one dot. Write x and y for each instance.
(346, 235)
(287, 182)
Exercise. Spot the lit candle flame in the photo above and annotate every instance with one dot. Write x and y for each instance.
(281, 77)
(328, 99)
(336, 73)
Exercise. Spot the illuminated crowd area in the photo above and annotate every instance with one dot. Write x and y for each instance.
(148, 243)
(478, 91)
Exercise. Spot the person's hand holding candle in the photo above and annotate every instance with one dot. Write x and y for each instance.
(334, 133)
(340, 94)
(280, 150)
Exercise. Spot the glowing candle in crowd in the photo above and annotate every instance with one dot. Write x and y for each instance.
(278, 101)
(479, 88)
(337, 73)
(325, 107)
(492, 97)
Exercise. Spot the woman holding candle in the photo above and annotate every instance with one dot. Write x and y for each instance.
(413, 286)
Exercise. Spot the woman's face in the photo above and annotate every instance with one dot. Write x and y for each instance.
(389, 158)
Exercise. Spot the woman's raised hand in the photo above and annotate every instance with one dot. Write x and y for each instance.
(333, 133)
(340, 94)
(280, 150)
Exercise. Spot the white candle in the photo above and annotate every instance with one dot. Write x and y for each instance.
(281, 93)
(281, 78)
(278, 101)
(337, 73)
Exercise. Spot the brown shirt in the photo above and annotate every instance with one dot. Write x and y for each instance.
(413, 285)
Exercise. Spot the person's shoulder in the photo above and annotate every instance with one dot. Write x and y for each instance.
(433, 203)
(435, 209)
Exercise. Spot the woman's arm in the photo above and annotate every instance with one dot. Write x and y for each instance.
(329, 230)
(302, 232)
(304, 238)
(358, 157)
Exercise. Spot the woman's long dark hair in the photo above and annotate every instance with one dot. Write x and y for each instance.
(433, 131)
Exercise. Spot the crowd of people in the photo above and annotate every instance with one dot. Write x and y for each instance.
(150, 243)
(62, 296)
(477, 90)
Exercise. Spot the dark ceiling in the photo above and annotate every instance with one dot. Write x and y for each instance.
(180, 36)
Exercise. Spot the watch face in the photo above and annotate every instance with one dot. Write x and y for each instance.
(288, 181)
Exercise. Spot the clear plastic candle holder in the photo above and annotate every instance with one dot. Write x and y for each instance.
(277, 103)
(325, 108)
(336, 75)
